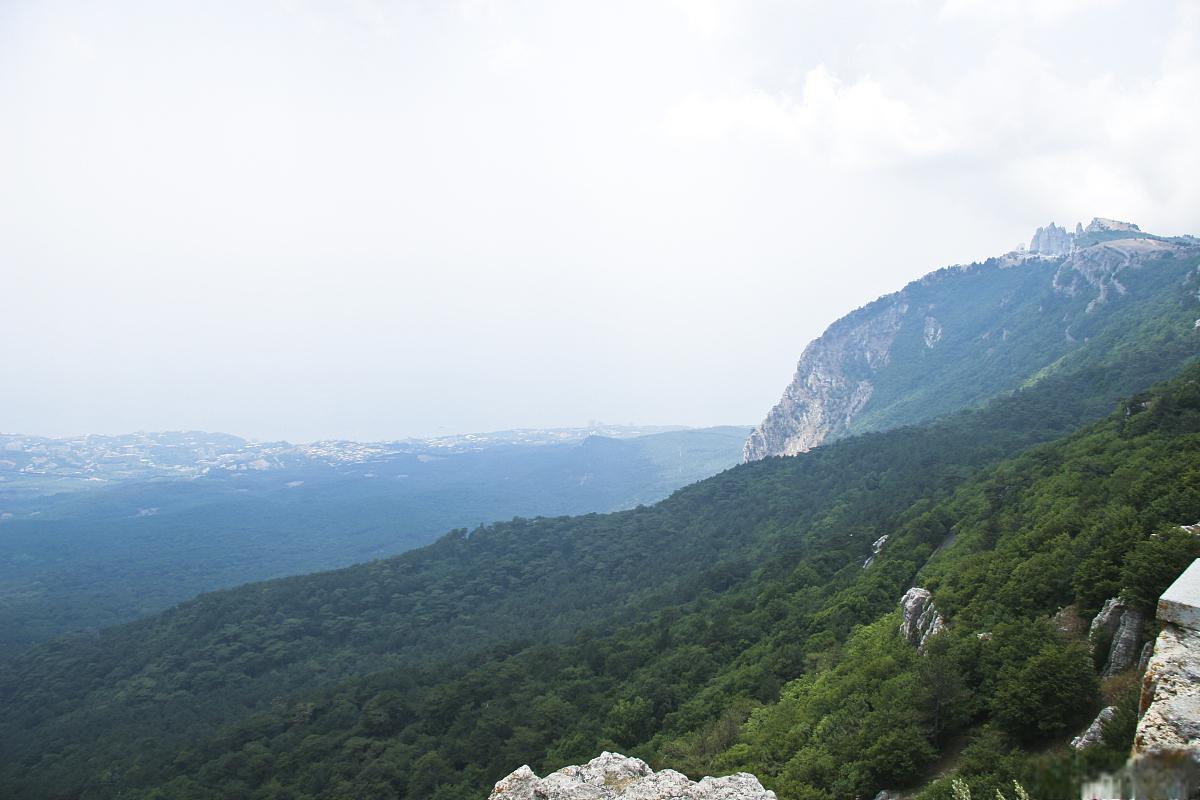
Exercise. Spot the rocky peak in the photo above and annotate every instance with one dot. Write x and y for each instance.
(1055, 241)
(1052, 241)
(612, 776)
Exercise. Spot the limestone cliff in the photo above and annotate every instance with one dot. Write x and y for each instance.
(831, 384)
(611, 776)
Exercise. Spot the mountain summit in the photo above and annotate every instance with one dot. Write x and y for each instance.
(965, 334)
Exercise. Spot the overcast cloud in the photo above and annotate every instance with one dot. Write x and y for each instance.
(380, 219)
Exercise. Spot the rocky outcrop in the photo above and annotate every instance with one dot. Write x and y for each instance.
(1094, 734)
(832, 383)
(920, 619)
(1169, 721)
(875, 548)
(933, 332)
(1052, 241)
(1105, 623)
(610, 776)
(1123, 652)
(1118, 629)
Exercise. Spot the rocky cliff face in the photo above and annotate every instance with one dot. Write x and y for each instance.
(831, 384)
(610, 776)
(959, 336)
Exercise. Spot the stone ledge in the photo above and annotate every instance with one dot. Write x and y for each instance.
(1180, 603)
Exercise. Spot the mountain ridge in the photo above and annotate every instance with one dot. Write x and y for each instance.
(43, 464)
(963, 334)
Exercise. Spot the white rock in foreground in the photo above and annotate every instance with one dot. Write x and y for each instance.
(612, 775)
(1170, 705)
(1170, 719)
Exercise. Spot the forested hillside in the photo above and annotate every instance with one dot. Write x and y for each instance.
(88, 559)
(655, 630)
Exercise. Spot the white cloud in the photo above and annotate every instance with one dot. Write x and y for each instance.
(857, 126)
(707, 18)
(1038, 11)
(1017, 116)
(511, 55)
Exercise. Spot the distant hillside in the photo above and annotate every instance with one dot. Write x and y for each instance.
(34, 466)
(963, 335)
(241, 512)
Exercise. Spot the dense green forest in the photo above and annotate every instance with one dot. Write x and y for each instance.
(88, 559)
(730, 626)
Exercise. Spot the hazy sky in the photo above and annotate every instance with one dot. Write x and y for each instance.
(380, 219)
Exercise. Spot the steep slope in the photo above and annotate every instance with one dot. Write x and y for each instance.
(89, 559)
(962, 335)
(128, 708)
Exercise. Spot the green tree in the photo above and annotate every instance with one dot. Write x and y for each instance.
(1049, 694)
